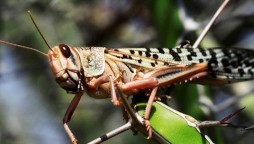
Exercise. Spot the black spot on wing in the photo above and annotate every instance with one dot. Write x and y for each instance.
(132, 51)
(124, 56)
(161, 50)
(155, 56)
(234, 64)
(201, 60)
(225, 62)
(148, 54)
(241, 72)
(175, 55)
(212, 53)
(140, 53)
(213, 67)
(203, 52)
(148, 50)
(189, 57)
(227, 53)
(239, 56)
(194, 54)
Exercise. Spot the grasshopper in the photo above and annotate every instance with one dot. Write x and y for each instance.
(96, 70)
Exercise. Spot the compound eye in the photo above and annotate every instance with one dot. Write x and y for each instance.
(65, 50)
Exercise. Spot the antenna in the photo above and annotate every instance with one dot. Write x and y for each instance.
(25, 47)
(30, 15)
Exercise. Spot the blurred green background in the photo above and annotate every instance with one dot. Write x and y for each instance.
(32, 105)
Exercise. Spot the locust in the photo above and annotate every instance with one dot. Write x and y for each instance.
(96, 70)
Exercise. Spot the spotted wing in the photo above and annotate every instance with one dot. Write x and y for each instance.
(155, 57)
(223, 63)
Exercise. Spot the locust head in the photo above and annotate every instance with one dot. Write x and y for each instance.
(71, 65)
(65, 65)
